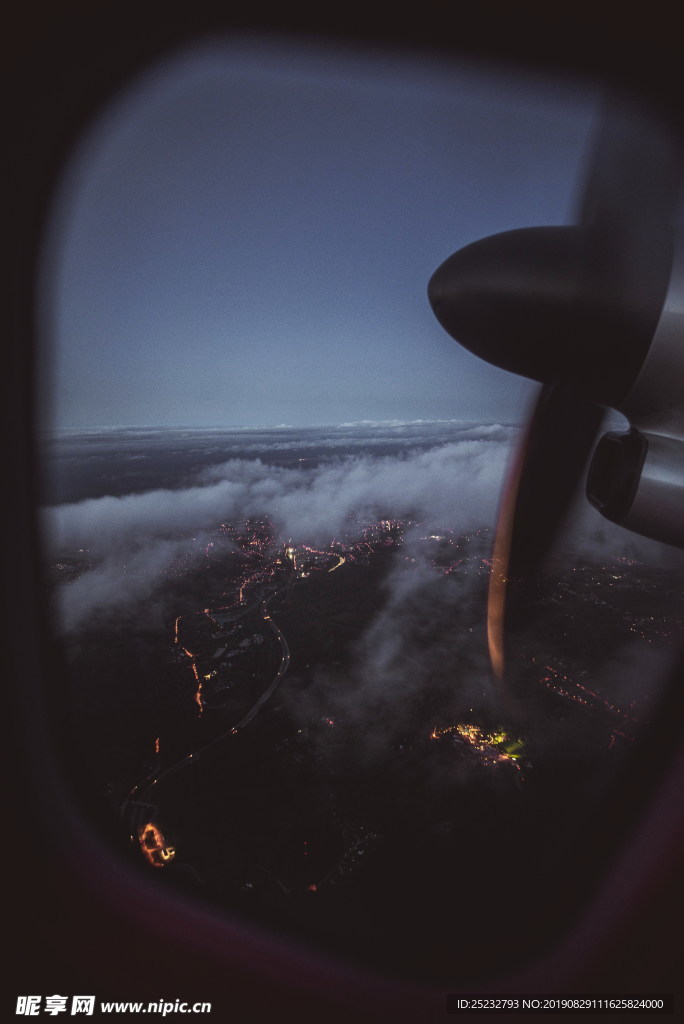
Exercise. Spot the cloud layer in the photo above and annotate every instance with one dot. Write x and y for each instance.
(130, 541)
(133, 539)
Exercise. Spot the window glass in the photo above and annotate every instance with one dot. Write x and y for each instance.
(270, 484)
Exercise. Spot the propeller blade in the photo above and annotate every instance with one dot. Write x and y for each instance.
(574, 308)
(545, 475)
(560, 438)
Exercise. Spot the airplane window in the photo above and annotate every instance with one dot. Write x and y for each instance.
(270, 486)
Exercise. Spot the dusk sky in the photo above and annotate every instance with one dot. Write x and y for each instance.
(246, 236)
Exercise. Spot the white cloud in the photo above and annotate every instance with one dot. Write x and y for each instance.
(135, 537)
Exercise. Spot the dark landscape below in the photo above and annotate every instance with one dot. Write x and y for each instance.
(309, 735)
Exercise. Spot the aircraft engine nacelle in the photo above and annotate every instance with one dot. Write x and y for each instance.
(636, 478)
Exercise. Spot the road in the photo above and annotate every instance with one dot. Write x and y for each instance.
(138, 808)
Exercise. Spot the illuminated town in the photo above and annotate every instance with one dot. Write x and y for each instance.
(257, 775)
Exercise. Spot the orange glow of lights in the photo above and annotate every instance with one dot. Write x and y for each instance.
(491, 744)
(154, 846)
(198, 693)
(156, 745)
